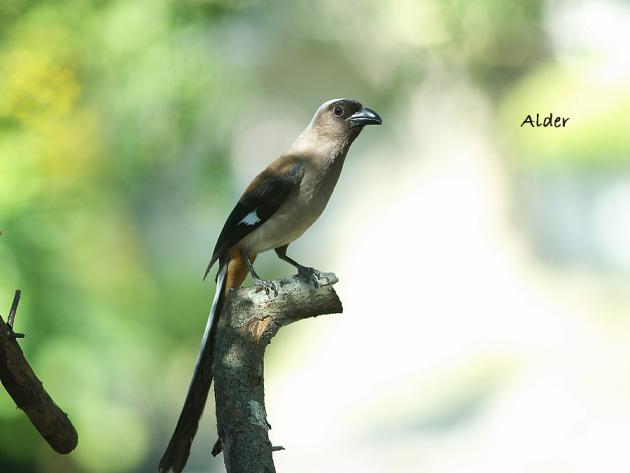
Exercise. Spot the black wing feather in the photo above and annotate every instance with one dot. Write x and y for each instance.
(264, 198)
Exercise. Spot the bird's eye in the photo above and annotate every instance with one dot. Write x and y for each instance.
(338, 111)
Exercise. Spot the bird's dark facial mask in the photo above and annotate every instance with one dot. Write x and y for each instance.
(365, 116)
(353, 113)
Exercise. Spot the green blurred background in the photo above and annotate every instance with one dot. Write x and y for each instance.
(484, 267)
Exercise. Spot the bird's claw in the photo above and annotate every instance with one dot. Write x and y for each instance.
(266, 286)
(310, 275)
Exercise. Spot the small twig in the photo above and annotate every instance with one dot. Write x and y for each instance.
(14, 306)
(12, 313)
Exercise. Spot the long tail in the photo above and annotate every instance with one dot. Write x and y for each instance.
(178, 449)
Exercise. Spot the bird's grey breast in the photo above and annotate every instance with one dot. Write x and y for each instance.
(317, 186)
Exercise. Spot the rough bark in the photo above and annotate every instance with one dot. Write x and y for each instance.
(249, 321)
(29, 394)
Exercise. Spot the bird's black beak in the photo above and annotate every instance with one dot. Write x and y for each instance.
(365, 116)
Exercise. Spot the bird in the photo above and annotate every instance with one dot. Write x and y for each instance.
(277, 207)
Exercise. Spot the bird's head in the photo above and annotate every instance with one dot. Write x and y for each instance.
(340, 117)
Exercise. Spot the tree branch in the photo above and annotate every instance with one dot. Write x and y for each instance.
(249, 321)
(29, 394)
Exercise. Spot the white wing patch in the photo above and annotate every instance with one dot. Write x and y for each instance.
(250, 219)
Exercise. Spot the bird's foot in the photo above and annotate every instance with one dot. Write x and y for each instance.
(266, 286)
(310, 275)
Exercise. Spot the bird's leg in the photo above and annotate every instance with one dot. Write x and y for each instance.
(307, 273)
(258, 281)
